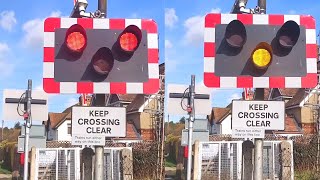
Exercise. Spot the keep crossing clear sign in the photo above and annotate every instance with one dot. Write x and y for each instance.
(93, 124)
(268, 115)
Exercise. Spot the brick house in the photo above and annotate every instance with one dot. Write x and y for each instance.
(300, 105)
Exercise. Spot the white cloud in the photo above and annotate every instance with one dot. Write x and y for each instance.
(4, 48)
(6, 66)
(170, 17)
(171, 65)
(168, 44)
(134, 15)
(195, 28)
(71, 102)
(234, 96)
(7, 20)
(33, 29)
(292, 11)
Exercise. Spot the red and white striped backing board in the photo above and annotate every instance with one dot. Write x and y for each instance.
(52, 86)
(213, 81)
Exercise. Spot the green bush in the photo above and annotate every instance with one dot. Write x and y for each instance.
(306, 175)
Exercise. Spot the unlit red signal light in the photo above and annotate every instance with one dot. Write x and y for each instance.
(103, 61)
(76, 38)
(236, 34)
(288, 34)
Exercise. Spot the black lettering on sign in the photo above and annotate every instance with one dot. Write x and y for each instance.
(251, 123)
(258, 107)
(96, 113)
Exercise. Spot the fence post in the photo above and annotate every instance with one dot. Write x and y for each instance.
(86, 162)
(285, 160)
(180, 162)
(32, 163)
(196, 160)
(247, 165)
(127, 164)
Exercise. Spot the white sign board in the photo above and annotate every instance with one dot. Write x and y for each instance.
(267, 115)
(247, 133)
(201, 106)
(95, 140)
(39, 111)
(98, 121)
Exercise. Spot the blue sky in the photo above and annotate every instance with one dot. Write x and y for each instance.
(21, 39)
(184, 38)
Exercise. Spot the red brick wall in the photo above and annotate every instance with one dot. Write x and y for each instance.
(147, 134)
(309, 128)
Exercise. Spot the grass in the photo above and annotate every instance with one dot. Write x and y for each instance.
(306, 175)
(169, 162)
(3, 170)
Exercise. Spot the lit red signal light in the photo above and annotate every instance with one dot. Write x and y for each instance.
(76, 38)
(130, 38)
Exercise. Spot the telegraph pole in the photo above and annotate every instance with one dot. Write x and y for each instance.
(258, 143)
(99, 150)
(190, 124)
(27, 129)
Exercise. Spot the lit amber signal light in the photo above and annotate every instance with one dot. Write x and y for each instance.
(262, 55)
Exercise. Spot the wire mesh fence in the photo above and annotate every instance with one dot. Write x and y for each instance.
(145, 163)
(301, 160)
(57, 163)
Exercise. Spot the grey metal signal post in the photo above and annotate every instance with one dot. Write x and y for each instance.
(191, 96)
(240, 7)
(99, 150)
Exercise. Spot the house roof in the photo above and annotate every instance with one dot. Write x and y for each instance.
(56, 119)
(135, 105)
(218, 114)
(126, 97)
(291, 126)
(267, 91)
(283, 91)
(131, 133)
(288, 91)
(297, 98)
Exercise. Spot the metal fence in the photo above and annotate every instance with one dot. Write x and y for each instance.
(222, 160)
(145, 156)
(57, 163)
(113, 163)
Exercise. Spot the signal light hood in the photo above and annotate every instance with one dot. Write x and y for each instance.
(102, 61)
(288, 34)
(236, 34)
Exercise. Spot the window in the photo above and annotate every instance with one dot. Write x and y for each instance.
(69, 128)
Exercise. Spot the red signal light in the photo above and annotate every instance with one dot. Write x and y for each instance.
(130, 38)
(128, 41)
(76, 38)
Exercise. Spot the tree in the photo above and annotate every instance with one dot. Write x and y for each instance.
(182, 120)
(17, 125)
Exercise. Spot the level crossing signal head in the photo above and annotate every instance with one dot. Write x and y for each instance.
(91, 55)
(260, 51)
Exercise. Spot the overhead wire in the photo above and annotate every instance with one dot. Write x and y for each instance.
(18, 106)
(183, 97)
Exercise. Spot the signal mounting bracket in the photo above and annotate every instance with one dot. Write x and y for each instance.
(79, 11)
